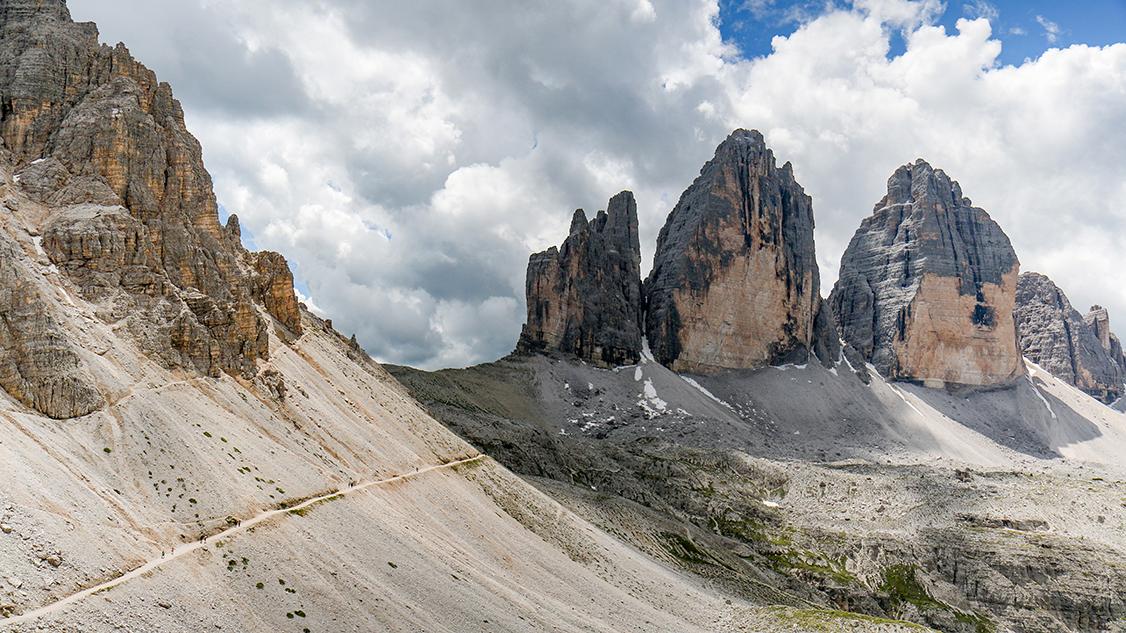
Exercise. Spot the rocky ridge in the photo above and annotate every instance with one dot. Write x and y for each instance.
(928, 285)
(125, 209)
(584, 298)
(735, 283)
(1073, 348)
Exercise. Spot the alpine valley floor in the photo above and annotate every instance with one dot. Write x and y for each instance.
(990, 510)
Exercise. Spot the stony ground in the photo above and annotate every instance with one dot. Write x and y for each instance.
(803, 486)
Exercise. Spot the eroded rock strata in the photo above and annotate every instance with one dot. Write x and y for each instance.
(1057, 338)
(584, 298)
(99, 148)
(735, 281)
(928, 285)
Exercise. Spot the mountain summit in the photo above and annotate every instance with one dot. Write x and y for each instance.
(735, 282)
(928, 284)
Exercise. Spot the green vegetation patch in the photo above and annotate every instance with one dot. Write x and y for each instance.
(903, 587)
(832, 620)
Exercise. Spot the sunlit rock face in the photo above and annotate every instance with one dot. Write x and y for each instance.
(735, 283)
(584, 298)
(928, 286)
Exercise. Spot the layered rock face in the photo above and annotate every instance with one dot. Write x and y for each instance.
(1097, 320)
(128, 212)
(735, 282)
(1056, 337)
(584, 298)
(928, 286)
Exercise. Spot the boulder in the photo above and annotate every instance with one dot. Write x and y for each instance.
(927, 286)
(735, 282)
(584, 298)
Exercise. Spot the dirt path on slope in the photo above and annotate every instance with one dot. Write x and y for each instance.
(188, 548)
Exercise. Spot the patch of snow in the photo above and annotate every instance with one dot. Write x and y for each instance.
(646, 354)
(567, 386)
(903, 397)
(704, 391)
(38, 241)
(789, 366)
(37, 161)
(1042, 398)
(637, 373)
(651, 396)
(771, 504)
(16, 179)
(590, 386)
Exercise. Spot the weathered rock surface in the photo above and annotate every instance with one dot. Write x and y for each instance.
(735, 281)
(1057, 338)
(1098, 320)
(585, 297)
(38, 365)
(928, 285)
(272, 285)
(130, 215)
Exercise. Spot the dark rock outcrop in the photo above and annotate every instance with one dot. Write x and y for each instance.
(1057, 338)
(584, 298)
(927, 286)
(735, 281)
(134, 221)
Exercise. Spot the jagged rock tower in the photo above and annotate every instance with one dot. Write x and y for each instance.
(928, 284)
(107, 179)
(735, 283)
(585, 297)
(1056, 337)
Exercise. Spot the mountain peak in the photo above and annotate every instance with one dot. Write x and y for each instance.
(927, 286)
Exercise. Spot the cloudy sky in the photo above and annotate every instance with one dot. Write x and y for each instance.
(406, 157)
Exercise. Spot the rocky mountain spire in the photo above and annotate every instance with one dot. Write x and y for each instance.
(131, 217)
(1056, 337)
(927, 286)
(584, 298)
(735, 281)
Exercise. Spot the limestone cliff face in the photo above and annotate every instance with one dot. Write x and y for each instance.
(1098, 320)
(585, 297)
(928, 285)
(1056, 337)
(735, 281)
(122, 201)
